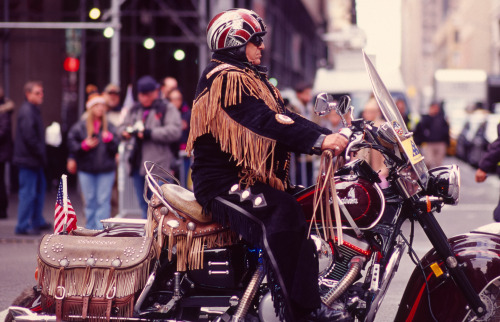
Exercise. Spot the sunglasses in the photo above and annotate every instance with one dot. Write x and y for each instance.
(256, 40)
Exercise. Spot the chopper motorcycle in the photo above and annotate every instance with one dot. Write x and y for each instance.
(180, 266)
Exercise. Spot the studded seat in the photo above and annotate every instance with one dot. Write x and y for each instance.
(184, 201)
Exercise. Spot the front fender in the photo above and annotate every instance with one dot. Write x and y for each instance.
(478, 252)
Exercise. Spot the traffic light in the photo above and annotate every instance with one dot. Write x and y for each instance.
(71, 64)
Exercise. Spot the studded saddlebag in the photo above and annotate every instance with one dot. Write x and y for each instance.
(185, 227)
(92, 277)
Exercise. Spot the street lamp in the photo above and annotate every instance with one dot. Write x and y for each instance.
(108, 32)
(94, 13)
(149, 43)
(179, 55)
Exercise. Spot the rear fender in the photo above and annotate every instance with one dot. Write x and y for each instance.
(479, 254)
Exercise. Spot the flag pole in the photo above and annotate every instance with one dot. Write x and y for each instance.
(65, 201)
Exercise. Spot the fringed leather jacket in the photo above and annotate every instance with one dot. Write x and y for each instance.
(241, 131)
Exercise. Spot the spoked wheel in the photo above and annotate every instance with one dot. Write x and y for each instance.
(490, 295)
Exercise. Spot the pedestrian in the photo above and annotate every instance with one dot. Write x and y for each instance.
(93, 143)
(6, 147)
(432, 134)
(152, 126)
(241, 137)
(111, 94)
(176, 98)
(30, 158)
(371, 112)
(167, 85)
(401, 105)
(489, 164)
(300, 103)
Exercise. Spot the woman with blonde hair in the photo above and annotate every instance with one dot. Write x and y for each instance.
(93, 143)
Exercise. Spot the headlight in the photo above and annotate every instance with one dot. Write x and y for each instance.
(444, 182)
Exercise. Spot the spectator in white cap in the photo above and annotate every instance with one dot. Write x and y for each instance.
(93, 143)
(150, 126)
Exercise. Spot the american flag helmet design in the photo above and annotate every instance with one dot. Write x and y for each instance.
(233, 28)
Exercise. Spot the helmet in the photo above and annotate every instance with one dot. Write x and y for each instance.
(233, 28)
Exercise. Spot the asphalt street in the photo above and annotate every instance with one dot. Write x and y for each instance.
(477, 201)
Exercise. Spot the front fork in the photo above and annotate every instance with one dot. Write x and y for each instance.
(439, 240)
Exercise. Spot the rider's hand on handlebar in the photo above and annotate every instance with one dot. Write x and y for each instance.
(336, 142)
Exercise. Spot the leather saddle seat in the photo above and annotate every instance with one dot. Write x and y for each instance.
(184, 201)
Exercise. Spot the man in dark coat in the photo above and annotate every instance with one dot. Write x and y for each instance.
(30, 158)
(432, 133)
(6, 108)
(242, 135)
(489, 164)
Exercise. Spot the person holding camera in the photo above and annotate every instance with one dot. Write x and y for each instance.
(152, 125)
(93, 142)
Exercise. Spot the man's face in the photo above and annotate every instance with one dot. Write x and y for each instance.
(147, 99)
(169, 84)
(175, 98)
(35, 97)
(305, 96)
(434, 110)
(112, 99)
(254, 53)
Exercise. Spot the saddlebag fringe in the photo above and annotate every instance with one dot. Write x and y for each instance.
(189, 244)
(92, 277)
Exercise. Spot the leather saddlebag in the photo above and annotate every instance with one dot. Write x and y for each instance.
(92, 278)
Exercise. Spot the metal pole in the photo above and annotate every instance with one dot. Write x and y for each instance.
(6, 56)
(115, 42)
(55, 25)
(83, 64)
(202, 47)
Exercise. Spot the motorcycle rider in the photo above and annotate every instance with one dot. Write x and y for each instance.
(241, 137)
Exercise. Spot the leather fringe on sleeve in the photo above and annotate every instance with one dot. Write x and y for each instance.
(251, 151)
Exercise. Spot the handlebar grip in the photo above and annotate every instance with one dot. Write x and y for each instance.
(345, 131)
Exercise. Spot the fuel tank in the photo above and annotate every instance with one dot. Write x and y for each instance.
(478, 252)
(358, 194)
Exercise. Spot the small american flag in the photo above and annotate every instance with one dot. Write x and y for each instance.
(59, 216)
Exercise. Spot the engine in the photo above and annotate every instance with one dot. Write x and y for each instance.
(340, 262)
(332, 268)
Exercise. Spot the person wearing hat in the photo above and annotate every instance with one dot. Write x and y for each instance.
(150, 126)
(93, 142)
(241, 136)
(112, 96)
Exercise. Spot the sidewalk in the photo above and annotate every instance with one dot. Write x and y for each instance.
(7, 226)
(126, 203)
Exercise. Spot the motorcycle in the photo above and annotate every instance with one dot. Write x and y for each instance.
(197, 270)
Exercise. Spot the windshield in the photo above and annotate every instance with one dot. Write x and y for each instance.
(394, 118)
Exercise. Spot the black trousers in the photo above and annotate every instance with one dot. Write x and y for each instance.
(280, 229)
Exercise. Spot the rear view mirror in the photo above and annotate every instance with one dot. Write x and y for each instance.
(344, 105)
(325, 103)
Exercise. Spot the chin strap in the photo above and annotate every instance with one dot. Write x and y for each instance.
(325, 193)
